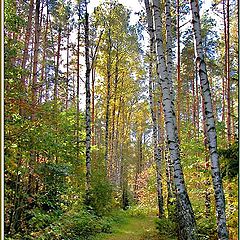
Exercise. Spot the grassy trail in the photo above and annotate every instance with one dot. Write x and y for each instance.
(134, 228)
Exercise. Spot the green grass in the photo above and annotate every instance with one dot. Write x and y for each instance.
(133, 228)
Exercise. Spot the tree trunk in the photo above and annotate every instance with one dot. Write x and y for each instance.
(207, 182)
(228, 75)
(117, 163)
(197, 101)
(108, 101)
(186, 220)
(193, 107)
(211, 130)
(93, 105)
(45, 44)
(67, 77)
(179, 83)
(25, 52)
(88, 101)
(157, 150)
(93, 69)
(169, 45)
(57, 66)
(35, 59)
(114, 107)
(78, 83)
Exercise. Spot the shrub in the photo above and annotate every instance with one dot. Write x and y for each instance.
(207, 228)
(166, 227)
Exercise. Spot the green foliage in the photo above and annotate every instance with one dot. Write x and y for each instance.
(99, 198)
(41, 219)
(207, 228)
(137, 211)
(76, 224)
(166, 227)
(41, 155)
(230, 161)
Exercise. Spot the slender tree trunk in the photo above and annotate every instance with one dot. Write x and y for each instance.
(78, 84)
(108, 100)
(193, 106)
(34, 90)
(169, 45)
(93, 70)
(207, 182)
(232, 121)
(188, 108)
(25, 52)
(88, 101)
(35, 58)
(179, 83)
(138, 164)
(57, 66)
(186, 220)
(197, 102)
(228, 75)
(225, 66)
(157, 150)
(93, 104)
(117, 163)
(13, 218)
(211, 130)
(45, 45)
(114, 108)
(67, 77)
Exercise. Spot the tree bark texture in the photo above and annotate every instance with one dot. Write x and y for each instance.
(157, 150)
(179, 83)
(88, 101)
(186, 220)
(25, 52)
(35, 58)
(211, 130)
(108, 100)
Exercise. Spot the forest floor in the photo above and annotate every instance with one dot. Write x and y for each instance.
(134, 228)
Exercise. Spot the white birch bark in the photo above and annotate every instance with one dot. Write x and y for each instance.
(169, 45)
(157, 150)
(211, 130)
(186, 220)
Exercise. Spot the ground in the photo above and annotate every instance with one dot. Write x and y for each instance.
(134, 228)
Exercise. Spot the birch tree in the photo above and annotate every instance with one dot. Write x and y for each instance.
(157, 150)
(186, 220)
(88, 100)
(210, 124)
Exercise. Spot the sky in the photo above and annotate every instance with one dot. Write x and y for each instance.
(133, 5)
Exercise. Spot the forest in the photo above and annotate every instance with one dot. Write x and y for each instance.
(116, 128)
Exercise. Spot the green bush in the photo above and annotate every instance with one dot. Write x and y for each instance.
(166, 227)
(77, 224)
(137, 211)
(99, 199)
(229, 161)
(207, 228)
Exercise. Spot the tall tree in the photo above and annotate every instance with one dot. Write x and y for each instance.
(156, 144)
(211, 130)
(179, 84)
(187, 224)
(88, 98)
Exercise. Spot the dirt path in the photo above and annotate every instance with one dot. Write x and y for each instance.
(135, 228)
